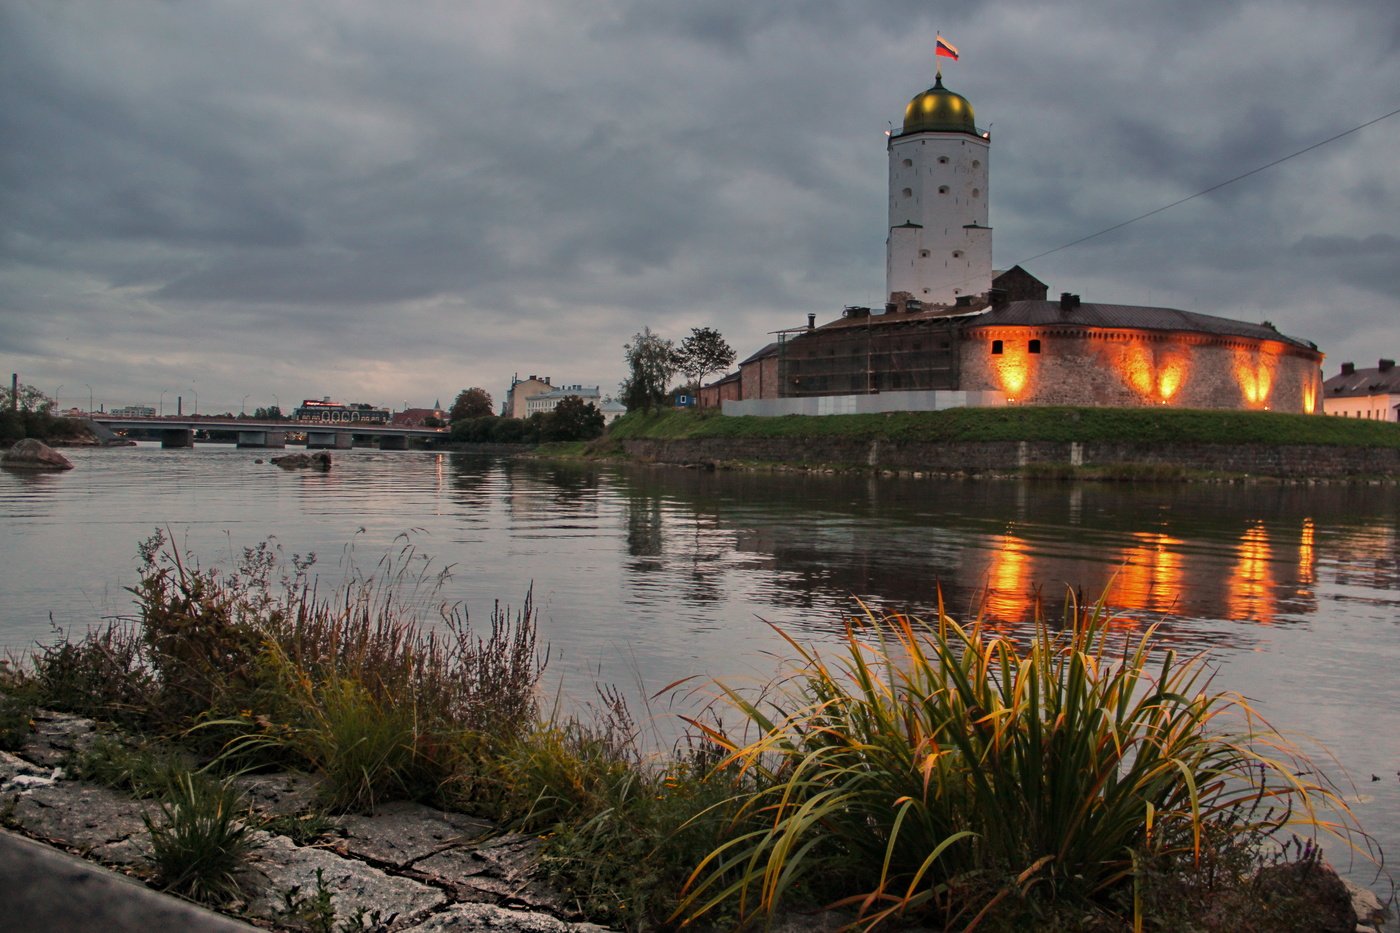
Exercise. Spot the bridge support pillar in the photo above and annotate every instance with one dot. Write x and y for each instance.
(177, 437)
(262, 439)
(393, 442)
(328, 440)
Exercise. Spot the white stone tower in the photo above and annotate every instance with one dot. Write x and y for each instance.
(940, 247)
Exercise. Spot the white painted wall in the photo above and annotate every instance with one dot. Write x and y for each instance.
(940, 182)
(1374, 407)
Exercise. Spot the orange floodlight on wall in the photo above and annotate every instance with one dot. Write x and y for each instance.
(1013, 367)
(1153, 378)
(1255, 374)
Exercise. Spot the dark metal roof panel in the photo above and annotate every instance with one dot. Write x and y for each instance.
(770, 350)
(1048, 313)
(1362, 383)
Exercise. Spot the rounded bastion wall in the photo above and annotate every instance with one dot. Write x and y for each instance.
(1131, 368)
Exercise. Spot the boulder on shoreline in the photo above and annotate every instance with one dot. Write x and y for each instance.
(317, 461)
(30, 454)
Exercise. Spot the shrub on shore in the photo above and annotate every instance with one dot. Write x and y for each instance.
(1079, 780)
(945, 772)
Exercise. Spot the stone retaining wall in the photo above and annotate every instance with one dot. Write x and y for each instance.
(1298, 461)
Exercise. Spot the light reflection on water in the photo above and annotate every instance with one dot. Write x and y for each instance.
(647, 576)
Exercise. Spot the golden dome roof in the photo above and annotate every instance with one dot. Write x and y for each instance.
(939, 110)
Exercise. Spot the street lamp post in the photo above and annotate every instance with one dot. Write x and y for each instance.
(196, 400)
(55, 396)
(162, 402)
(89, 388)
(278, 403)
(243, 408)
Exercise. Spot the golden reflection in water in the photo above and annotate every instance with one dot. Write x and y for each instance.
(1307, 557)
(1249, 590)
(1008, 597)
(1150, 576)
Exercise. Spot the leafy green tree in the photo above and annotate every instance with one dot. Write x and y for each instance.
(471, 403)
(702, 353)
(573, 419)
(651, 362)
(270, 413)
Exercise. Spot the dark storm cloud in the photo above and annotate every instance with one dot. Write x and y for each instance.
(381, 202)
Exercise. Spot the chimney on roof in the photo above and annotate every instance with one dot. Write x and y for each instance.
(811, 320)
(1348, 369)
(1386, 365)
(998, 297)
(1068, 302)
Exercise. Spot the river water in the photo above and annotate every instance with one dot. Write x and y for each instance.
(645, 576)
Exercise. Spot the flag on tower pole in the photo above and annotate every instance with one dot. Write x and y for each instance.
(945, 49)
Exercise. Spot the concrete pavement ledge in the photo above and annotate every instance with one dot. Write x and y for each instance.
(50, 890)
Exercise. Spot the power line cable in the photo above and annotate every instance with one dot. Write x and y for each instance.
(1216, 187)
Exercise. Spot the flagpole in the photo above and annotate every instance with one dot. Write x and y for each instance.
(937, 65)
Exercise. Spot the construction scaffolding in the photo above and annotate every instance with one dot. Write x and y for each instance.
(864, 353)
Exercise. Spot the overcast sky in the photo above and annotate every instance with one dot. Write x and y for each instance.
(389, 202)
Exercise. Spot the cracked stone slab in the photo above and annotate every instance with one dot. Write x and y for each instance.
(58, 736)
(400, 834)
(78, 816)
(499, 871)
(283, 794)
(17, 775)
(473, 918)
(279, 866)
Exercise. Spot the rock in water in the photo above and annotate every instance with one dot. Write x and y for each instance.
(317, 461)
(30, 454)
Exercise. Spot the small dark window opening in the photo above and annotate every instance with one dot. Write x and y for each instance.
(996, 346)
(1035, 346)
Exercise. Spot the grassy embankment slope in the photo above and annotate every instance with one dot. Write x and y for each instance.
(1125, 425)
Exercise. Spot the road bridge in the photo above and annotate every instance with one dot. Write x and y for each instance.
(179, 431)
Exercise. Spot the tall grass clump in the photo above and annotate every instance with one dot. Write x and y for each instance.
(378, 685)
(621, 827)
(201, 838)
(946, 773)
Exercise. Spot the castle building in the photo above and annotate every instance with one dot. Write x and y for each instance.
(953, 332)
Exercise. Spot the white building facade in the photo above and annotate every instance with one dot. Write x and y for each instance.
(548, 401)
(1372, 393)
(940, 245)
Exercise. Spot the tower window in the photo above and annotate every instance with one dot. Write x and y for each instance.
(942, 189)
(1035, 346)
(923, 254)
(976, 163)
(976, 192)
(957, 254)
(996, 347)
(907, 192)
(908, 163)
(942, 160)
